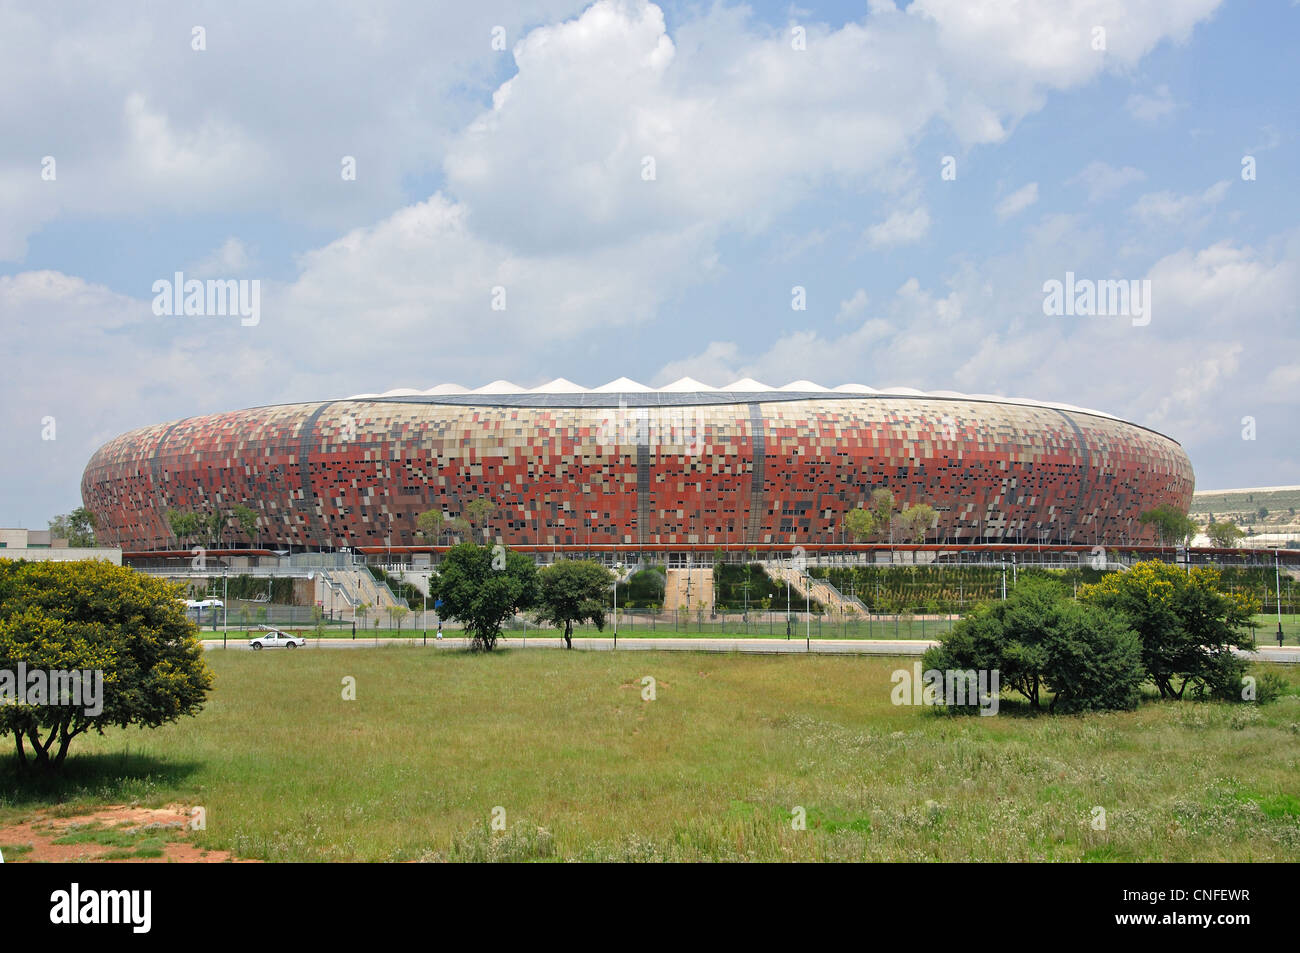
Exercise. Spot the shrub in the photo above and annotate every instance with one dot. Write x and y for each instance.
(1037, 639)
(1187, 624)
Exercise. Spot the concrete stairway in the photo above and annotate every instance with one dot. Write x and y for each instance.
(701, 588)
(819, 589)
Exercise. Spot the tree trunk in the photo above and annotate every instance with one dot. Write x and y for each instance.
(568, 635)
(65, 739)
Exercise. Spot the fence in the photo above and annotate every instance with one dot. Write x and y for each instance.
(773, 624)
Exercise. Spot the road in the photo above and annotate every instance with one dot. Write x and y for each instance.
(749, 646)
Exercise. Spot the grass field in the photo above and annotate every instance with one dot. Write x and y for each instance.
(711, 769)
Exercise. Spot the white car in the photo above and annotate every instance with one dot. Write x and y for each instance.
(275, 639)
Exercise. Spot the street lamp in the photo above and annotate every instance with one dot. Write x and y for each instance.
(618, 568)
(1277, 582)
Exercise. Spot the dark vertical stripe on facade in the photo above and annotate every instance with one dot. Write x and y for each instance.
(306, 443)
(1085, 486)
(757, 490)
(155, 464)
(643, 476)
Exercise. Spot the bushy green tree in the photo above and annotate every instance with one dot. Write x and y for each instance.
(882, 508)
(479, 512)
(1039, 641)
(430, 523)
(916, 521)
(573, 591)
(246, 517)
(92, 615)
(860, 523)
(184, 526)
(483, 586)
(1173, 526)
(1188, 625)
(77, 527)
(1224, 535)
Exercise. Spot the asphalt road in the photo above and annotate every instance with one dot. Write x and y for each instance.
(792, 646)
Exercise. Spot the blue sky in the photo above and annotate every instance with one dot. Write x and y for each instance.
(521, 168)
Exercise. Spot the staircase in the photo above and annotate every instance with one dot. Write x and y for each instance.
(819, 589)
(701, 588)
(357, 586)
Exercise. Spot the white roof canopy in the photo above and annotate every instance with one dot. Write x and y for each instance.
(689, 385)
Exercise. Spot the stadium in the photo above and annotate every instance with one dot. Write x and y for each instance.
(626, 468)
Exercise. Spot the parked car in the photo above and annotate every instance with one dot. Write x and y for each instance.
(275, 639)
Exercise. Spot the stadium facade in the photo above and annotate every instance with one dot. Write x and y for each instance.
(626, 466)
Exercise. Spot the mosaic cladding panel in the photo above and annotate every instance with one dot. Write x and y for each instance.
(357, 473)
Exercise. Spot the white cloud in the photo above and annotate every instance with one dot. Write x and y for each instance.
(1168, 208)
(853, 307)
(715, 365)
(1103, 179)
(740, 126)
(231, 259)
(900, 228)
(1017, 201)
(141, 123)
(1149, 108)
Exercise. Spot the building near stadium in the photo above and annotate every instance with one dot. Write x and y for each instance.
(628, 467)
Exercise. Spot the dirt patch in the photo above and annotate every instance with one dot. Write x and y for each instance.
(119, 833)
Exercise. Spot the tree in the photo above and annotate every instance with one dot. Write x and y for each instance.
(1224, 535)
(77, 527)
(573, 591)
(882, 508)
(1262, 513)
(1173, 526)
(430, 523)
(93, 616)
(860, 523)
(246, 517)
(917, 520)
(360, 612)
(459, 526)
(482, 586)
(184, 526)
(1040, 640)
(1188, 626)
(478, 512)
(396, 614)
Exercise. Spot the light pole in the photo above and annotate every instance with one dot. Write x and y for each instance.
(787, 602)
(618, 568)
(1277, 582)
(807, 610)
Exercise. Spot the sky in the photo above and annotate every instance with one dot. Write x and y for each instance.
(448, 192)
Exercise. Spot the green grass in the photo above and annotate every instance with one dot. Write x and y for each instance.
(128, 843)
(714, 768)
(1266, 634)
